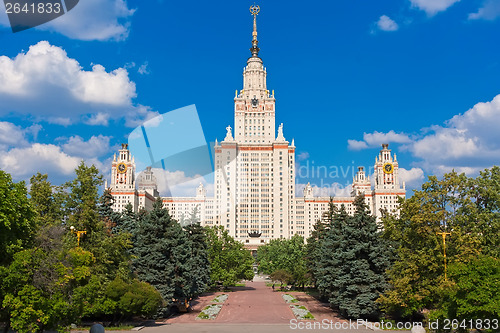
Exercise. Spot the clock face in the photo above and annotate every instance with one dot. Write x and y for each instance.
(255, 101)
(388, 168)
(122, 168)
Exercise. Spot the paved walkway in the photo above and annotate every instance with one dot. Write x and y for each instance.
(255, 303)
(254, 308)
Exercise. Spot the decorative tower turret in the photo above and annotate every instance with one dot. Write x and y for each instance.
(254, 106)
(122, 184)
(387, 187)
(123, 170)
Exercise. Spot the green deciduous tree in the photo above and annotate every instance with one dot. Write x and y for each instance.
(285, 254)
(468, 208)
(17, 218)
(230, 262)
(46, 199)
(473, 291)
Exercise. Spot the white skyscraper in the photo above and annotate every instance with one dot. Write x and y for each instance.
(254, 183)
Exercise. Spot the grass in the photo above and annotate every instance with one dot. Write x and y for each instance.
(309, 316)
(240, 285)
(203, 316)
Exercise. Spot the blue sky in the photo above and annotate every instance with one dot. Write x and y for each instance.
(421, 75)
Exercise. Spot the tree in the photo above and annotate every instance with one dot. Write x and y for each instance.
(325, 255)
(39, 283)
(285, 254)
(352, 271)
(282, 276)
(43, 199)
(466, 207)
(473, 292)
(162, 254)
(82, 201)
(110, 218)
(199, 262)
(313, 242)
(230, 262)
(17, 218)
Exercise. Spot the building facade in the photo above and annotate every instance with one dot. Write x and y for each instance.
(254, 178)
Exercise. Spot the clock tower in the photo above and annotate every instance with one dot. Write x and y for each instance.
(387, 188)
(122, 184)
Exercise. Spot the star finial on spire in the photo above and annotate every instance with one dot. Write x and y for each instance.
(254, 10)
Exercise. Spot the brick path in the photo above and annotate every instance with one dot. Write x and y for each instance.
(254, 303)
(258, 304)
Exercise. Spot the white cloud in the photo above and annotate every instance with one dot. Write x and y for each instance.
(177, 184)
(303, 156)
(90, 20)
(141, 114)
(490, 11)
(385, 23)
(413, 177)
(24, 162)
(143, 69)
(11, 135)
(96, 146)
(48, 84)
(356, 145)
(375, 139)
(432, 7)
(98, 119)
(469, 141)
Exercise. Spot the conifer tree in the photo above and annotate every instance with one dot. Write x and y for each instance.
(313, 242)
(353, 259)
(110, 218)
(163, 255)
(327, 254)
(199, 263)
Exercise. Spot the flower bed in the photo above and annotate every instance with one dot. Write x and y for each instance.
(220, 299)
(212, 311)
(289, 298)
(301, 312)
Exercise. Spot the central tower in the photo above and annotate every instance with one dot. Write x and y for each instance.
(254, 106)
(254, 170)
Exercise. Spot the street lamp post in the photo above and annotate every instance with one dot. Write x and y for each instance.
(443, 234)
(78, 233)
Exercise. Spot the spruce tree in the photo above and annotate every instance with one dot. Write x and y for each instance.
(314, 241)
(163, 255)
(110, 218)
(128, 221)
(199, 263)
(327, 254)
(364, 258)
(352, 263)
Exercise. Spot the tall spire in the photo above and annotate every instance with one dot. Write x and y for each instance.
(254, 10)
